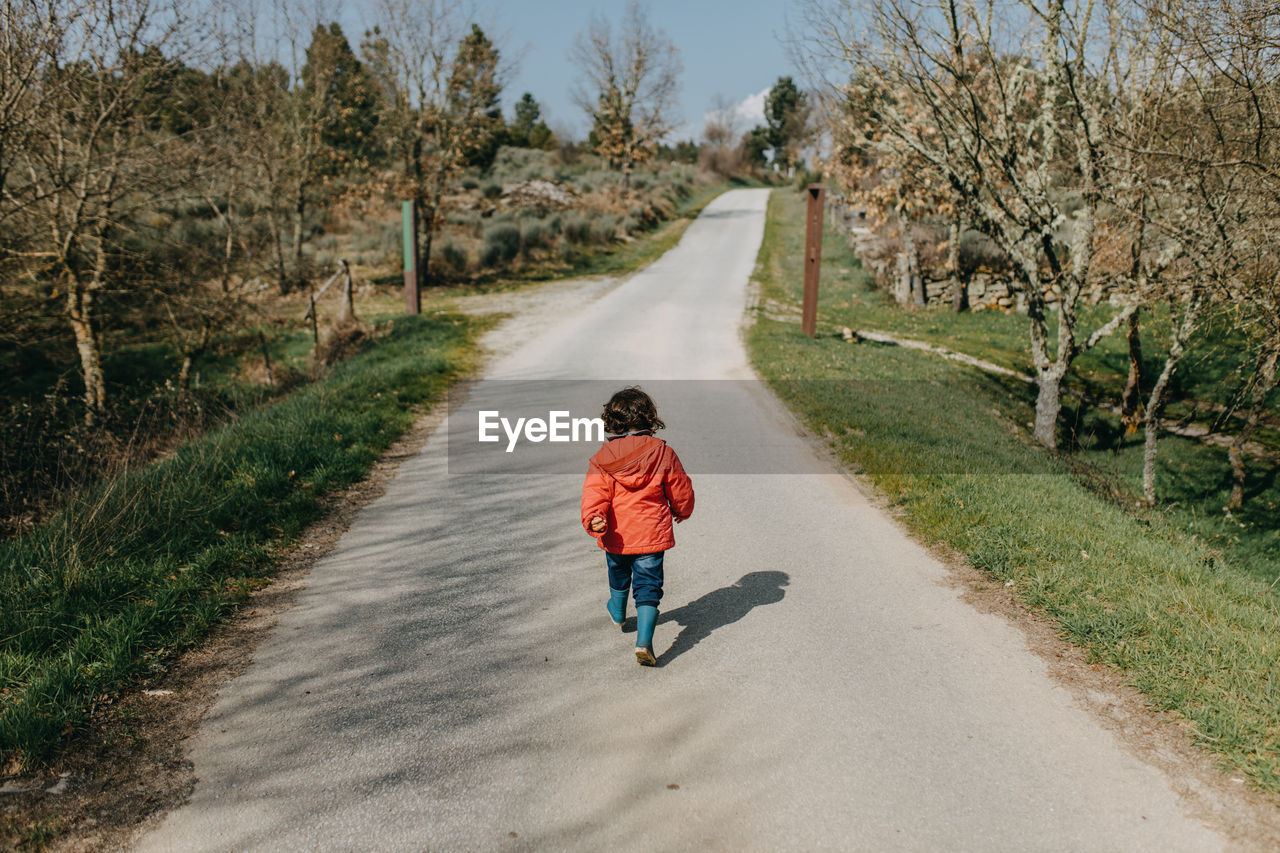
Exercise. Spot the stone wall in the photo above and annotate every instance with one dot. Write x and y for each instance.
(987, 290)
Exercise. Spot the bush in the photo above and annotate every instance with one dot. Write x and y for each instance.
(504, 239)
(604, 229)
(490, 257)
(492, 190)
(565, 250)
(452, 258)
(532, 236)
(470, 184)
(576, 230)
(631, 225)
(979, 252)
(555, 225)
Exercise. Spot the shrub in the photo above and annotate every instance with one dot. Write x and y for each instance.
(979, 252)
(804, 177)
(631, 225)
(464, 218)
(555, 225)
(492, 190)
(565, 250)
(604, 229)
(490, 257)
(504, 238)
(452, 258)
(470, 184)
(532, 236)
(575, 230)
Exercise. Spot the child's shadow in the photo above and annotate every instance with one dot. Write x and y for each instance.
(721, 607)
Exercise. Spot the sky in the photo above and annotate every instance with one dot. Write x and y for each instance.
(731, 48)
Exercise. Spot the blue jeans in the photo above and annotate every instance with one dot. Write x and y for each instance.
(642, 572)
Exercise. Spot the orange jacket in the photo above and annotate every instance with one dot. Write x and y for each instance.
(637, 485)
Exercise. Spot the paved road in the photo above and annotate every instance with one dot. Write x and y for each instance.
(449, 681)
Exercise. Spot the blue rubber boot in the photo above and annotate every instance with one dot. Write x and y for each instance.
(617, 605)
(646, 619)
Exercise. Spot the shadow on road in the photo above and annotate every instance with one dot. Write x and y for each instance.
(721, 607)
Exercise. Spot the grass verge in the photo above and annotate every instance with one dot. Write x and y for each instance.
(142, 565)
(1192, 627)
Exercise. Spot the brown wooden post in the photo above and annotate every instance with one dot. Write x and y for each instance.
(412, 293)
(348, 314)
(812, 258)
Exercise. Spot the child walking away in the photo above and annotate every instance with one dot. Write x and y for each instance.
(635, 488)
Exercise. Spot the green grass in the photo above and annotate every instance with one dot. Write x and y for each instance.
(143, 564)
(1187, 614)
(1212, 371)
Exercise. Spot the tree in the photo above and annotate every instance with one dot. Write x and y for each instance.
(755, 148)
(324, 125)
(475, 95)
(439, 86)
(527, 129)
(336, 81)
(95, 150)
(1194, 152)
(786, 113)
(629, 87)
(1021, 141)
(721, 152)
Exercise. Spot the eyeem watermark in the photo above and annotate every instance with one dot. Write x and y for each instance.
(559, 427)
(541, 427)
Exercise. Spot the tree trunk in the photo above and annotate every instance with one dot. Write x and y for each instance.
(1131, 399)
(912, 282)
(282, 272)
(188, 360)
(959, 283)
(80, 316)
(1264, 381)
(299, 211)
(1156, 401)
(1048, 405)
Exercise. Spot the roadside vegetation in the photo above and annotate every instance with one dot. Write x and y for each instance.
(1106, 177)
(172, 201)
(1181, 596)
(142, 564)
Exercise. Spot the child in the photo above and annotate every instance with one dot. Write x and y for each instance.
(635, 487)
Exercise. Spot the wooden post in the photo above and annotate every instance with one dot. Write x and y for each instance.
(812, 258)
(348, 314)
(412, 293)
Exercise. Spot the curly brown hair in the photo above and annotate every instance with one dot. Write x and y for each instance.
(630, 410)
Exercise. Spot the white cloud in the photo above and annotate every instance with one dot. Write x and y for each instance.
(747, 113)
(750, 110)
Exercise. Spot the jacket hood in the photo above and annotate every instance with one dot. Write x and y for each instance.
(632, 460)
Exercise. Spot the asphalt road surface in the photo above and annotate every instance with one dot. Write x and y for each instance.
(449, 679)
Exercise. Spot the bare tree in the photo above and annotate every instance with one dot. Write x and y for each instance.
(1018, 139)
(440, 83)
(630, 82)
(721, 133)
(93, 152)
(1210, 156)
